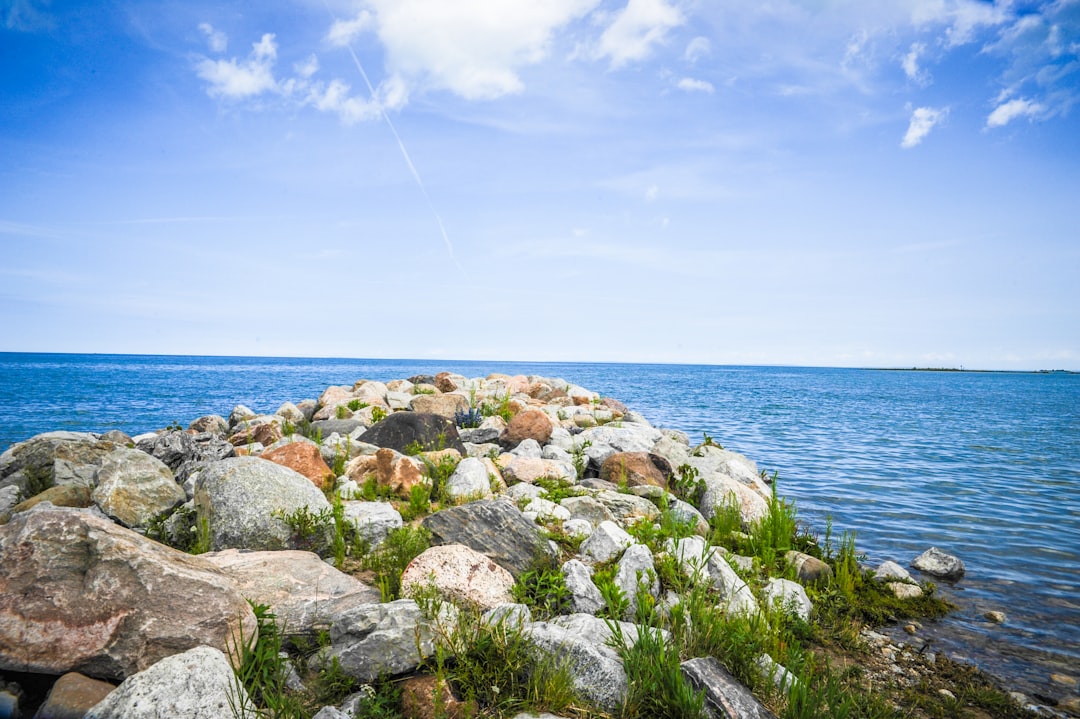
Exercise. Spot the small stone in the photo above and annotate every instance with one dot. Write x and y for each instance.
(947, 694)
(72, 696)
(995, 617)
(1064, 680)
(939, 564)
(910, 628)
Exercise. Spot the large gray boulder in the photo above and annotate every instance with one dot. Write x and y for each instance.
(494, 527)
(238, 499)
(729, 475)
(374, 640)
(372, 520)
(425, 430)
(300, 588)
(460, 575)
(725, 696)
(196, 684)
(133, 487)
(704, 563)
(80, 593)
(606, 542)
(596, 669)
(186, 453)
(54, 458)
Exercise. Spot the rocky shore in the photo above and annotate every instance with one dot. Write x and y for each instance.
(369, 530)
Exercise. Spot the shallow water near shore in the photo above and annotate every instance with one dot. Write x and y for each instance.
(982, 465)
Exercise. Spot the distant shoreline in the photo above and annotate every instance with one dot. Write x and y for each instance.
(973, 371)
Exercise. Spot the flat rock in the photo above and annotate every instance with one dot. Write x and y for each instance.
(239, 497)
(134, 487)
(300, 588)
(529, 469)
(196, 684)
(444, 405)
(493, 527)
(406, 429)
(373, 520)
(725, 696)
(461, 575)
(589, 509)
(374, 640)
(80, 593)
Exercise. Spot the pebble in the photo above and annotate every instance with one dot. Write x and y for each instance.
(947, 694)
(910, 628)
(1064, 680)
(995, 617)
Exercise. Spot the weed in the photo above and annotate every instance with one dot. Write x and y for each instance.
(202, 536)
(37, 480)
(580, 458)
(543, 589)
(656, 683)
(309, 528)
(687, 484)
(390, 558)
(418, 389)
(342, 412)
(419, 503)
(500, 407)
(557, 489)
(378, 414)
(468, 418)
(356, 404)
(616, 603)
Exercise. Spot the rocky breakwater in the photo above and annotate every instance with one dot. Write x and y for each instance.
(506, 542)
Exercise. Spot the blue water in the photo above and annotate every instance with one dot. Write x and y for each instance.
(983, 465)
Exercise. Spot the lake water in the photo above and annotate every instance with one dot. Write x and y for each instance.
(983, 465)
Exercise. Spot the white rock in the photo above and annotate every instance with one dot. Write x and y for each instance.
(790, 597)
(584, 595)
(547, 510)
(606, 542)
(469, 480)
(461, 575)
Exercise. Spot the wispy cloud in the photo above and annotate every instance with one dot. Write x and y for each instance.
(923, 120)
(216, 40)
(1006, 112)
(697, 49)
(238, 79)
(690, 84)
(636, 30)
(910, 64)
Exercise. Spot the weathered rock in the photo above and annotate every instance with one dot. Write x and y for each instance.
(80, 593)
(336, 426)
(134, 487)
(686, 512)
(627, 507)
(213, 423)
(303, 458)
(239, 414)
(727, 475)
(469, 481)
(238, 498)
(196, 684)
(529, 424)
(373, 520)
(429, 697)
(530, 469)
(480, 435)
(53, 458)
(584, 595)
(808, 569)
(636, 468)
(426, 431)
(790, 597)
(184, 453)
(398, 473)
(903, 586)
(72, 696)
(301, 589)
(605, 631)
(725, 696)
(370, 391)
(461, 575)
(493, 527)
(264, 433)
(636, 570)
(589, 509)
(634, 438)
(597, 671)
(528, 448)
(445, 381)
(291, 412)
(580, 528)
(373, 640)
(606, 542)
(702, 562)
(546, 511)
(65, 495)
(444, 405)
(937, 563)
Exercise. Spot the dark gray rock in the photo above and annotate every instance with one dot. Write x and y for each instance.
(53, 458)
(185, 453)
(373, 640)
(495, 528)
(479, 435)
(402, 429)
(937, 563)
(725, 697)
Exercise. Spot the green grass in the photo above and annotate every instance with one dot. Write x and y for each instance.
(390, 558)
(543, 589)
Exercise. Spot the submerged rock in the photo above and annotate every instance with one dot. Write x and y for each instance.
(937, 563)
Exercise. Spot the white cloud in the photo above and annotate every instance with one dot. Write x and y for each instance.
(343, 32)
(910, 63)
(216, 40)
(696, 49)
(474, 48)
(308, 67)
(240, 79)
(923, 120)
(689, 84)
(636, 29)
(1006, 112)
(652, 193)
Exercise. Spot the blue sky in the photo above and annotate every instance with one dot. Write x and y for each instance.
(843, 183)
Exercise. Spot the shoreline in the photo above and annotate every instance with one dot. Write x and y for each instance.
(591, 401)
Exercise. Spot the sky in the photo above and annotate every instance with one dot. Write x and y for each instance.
(786, 182)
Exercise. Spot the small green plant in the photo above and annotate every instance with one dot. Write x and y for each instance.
(342, 412)
(655, 679)
(499, 407)
(202, 543)
(579, 458)
(37, 480)
(421, 389)
(378, 414)
(688, 485)
(557, 488)
(174, 426)
(418, 504)
(616, 603)
(309, 528)
(543, 589)
(356, 404)
(390, 558)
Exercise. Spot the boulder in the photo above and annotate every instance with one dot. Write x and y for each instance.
(627, 507)
(53, 458)
(374, 640)
(186, 453)
(546, 511)
(80, 593)
(265, 434)
(469, 481)
(65, 495)
(213, 423)
(529, 424)
(530, 469)
(372, 520)
(606, 542)
(72, 696)
(937, 563)
(303, 458)
(588, 508)
(398, 473)
(633, 438)
(444, 405)
(444, 381)
(789, 597)
(403, 430)
(195, 684)
(238, 499)
(134, 487)
(686, 512)
(240, 413)
(528, 448)
(636, 569)
(584, 595)
(725, 696)
(343, 427)
(595, 668)
(300, 588)
(460, 575)
(808, 569)
(636, 468)
(704, 563)
(493, 527)
(291, 412)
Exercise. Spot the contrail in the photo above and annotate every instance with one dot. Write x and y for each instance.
(404, 152)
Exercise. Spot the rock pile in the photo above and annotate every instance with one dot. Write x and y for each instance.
(83, 589)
